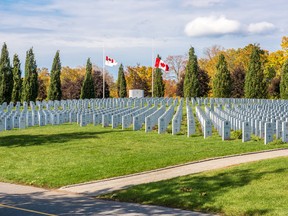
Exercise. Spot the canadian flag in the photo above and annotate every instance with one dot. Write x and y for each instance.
(161, 64)
(110, 62)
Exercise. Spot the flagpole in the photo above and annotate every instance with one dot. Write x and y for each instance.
(152, 68)
(103, 71)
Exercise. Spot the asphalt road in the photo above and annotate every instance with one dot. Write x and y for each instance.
(17, 200)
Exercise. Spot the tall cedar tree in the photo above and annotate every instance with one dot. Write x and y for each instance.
(191, 82)
(121, 83)
(6, 76)
(98, 85)
(159, 87)
(204, 80)
(238, 81)
(30, 84)
(17, 81)
(222, 83)
(87, 90)
(255, 85)
(284, 81)
(179, 86)
(55, 92)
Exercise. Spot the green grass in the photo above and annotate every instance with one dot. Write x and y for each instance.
(54, 156)
(258, 188)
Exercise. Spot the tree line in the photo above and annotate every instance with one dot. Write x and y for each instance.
(249, 72)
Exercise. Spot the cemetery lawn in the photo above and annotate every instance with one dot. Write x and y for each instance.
(54, 156)
(258, 188)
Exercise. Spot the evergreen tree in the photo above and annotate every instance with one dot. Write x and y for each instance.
(204, 80)
(98, 85)
(121, 83)
(284, 81)
(255, 85)
(179, 86)
(191, 82)
(17, 81)
(6, 76)
(222, 83)
(159, 87)
(87, 90)
(238, 80)
(30, 84)
(55, 92)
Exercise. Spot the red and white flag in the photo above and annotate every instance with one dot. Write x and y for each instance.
(161, 64)
(110, 62)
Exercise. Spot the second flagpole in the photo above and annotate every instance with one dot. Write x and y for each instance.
(103, 71)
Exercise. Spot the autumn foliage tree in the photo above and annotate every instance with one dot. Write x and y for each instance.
(204, 81)
(43, 83)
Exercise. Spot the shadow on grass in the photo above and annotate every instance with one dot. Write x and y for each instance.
(197, 193)
(42, 139)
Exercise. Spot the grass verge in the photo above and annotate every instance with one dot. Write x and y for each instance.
(54, 156)
(258, 188)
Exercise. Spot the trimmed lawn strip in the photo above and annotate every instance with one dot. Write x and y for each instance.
(258, 188)
(55, 156)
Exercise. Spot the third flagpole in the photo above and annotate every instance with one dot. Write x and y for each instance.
(103, 72)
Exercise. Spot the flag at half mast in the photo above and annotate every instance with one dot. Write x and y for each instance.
(110, 61)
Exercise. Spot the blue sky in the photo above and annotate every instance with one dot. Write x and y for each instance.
(128, 29)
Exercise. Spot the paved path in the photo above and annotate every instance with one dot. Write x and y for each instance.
(18, 200)
(113, 184)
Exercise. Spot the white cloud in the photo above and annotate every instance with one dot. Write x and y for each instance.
(261, 28)
(201, 3)
(212, 26)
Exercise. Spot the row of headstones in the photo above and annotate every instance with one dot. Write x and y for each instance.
(205, 122)
(251, 125)
(177, 119)
(218, 101)
(86, 103)
(191, 126)
(222, 125)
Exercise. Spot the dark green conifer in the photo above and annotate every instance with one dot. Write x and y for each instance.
(87, 90)
(191, 82)
(6, 76)
(17, 81)
(255, 85)
(55, 92)
(222, 83)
